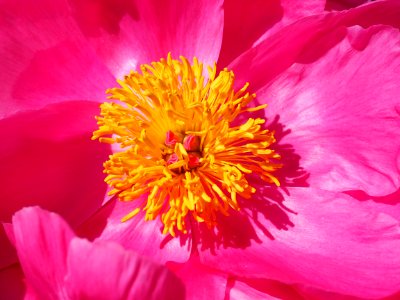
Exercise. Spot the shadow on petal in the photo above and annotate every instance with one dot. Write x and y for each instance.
(266, 207)
(391, 199)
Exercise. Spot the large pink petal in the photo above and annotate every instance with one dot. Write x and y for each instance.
(107, 271)
(12, 286)
(343, 112)
(42, 240)
(126, 33)
(143, 237)
(48, 159)
(335, 244)
(45, 58)
(325, 106)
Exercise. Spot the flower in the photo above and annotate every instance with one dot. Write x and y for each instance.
(59, 265)
(182, 149)
(331, 229)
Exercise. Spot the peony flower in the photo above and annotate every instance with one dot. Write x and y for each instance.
(312, 210)
(59, 265)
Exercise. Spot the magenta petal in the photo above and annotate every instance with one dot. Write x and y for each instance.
(342, 111)
(48, 159)
(126, 33)
(42, 240)
(278, 52)
(336, 244)
(45, 57)
(143, 237)
(250, 22)
(106, 271)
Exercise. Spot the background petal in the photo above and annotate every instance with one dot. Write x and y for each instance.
(45, 57)
(106, 271)
(126, 34)
(49, 160)
(335, 244)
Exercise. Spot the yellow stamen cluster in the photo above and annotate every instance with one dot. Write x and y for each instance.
(174, 96)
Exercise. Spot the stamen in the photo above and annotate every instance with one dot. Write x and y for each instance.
(179, 147)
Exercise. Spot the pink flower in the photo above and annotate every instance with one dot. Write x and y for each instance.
(59, 265)
(329, 232)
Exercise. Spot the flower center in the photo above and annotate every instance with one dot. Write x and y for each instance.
(182, 155)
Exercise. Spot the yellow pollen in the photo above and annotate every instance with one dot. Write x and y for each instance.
(182, 152)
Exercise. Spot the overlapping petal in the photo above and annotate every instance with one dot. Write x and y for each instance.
(143, 237)
(342, 114)
(58, 265)
(49, 160)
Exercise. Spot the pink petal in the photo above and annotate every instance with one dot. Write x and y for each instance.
(319, 91)
(201, 282)
(126, 34)
(343, 112)
(45, 57)
(143, 237)
(42, 239)
(335, 244)
(49, 160)
(12, 286)
(248, 22)
(106, 271)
